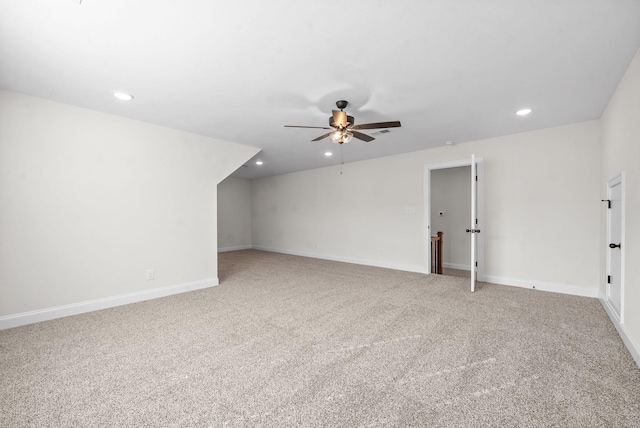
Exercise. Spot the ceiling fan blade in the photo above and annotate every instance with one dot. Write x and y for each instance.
(361, 136)
(394, 124)
(314, 127)
(323, 136)
(339, 118)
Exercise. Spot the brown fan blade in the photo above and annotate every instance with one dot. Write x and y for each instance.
(339, 118)
(361, 136)
(314, 127)
(394, 124)
(322, 136)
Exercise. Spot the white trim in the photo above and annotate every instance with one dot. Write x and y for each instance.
(633, 347)
(396, 266)
(456, 266)
(544, 286)
(538, 285)
(237, 248)
(47, 314)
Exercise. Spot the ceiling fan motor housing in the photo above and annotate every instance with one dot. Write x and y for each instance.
(342, 104)
(350, 121)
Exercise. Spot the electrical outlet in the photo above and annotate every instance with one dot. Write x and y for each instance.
(151, 274)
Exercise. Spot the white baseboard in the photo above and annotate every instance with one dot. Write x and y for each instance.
(47, 314)
(396, 266)
(543, 286)
(631, 345)
(456, 266)
(236, 248)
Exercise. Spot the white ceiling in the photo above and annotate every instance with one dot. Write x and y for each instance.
(449, 70)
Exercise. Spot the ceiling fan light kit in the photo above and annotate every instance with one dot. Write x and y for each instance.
(341, 137)
(343, 127)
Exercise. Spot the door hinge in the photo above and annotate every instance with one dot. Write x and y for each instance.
(476, 221)
(476, 264)
(608, 279)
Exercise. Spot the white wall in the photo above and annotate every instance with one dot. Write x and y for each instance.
(541, 209)
(91, 201)
(451, 195)
(234, 214)
(621, 152)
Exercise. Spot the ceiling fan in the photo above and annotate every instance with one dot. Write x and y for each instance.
(343, 127)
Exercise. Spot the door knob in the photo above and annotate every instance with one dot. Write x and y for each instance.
(612, 245)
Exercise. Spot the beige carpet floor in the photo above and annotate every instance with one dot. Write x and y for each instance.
(289, 341)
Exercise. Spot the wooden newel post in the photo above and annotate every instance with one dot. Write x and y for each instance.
(436, 253)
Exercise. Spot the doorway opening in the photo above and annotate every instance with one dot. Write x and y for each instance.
(449, 200)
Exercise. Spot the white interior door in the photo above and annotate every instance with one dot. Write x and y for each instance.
(473, 228)
(615, 248)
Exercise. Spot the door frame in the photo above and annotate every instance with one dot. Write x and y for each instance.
(617, 180)
(479, 203)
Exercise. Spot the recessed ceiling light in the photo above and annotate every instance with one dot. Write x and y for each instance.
(259, 162)
(328, 154)
(524, 112)
(122, 96)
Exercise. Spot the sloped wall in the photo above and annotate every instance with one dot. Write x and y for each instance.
(92, 201)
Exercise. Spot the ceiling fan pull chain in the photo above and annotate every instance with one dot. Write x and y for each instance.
(341, 157)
